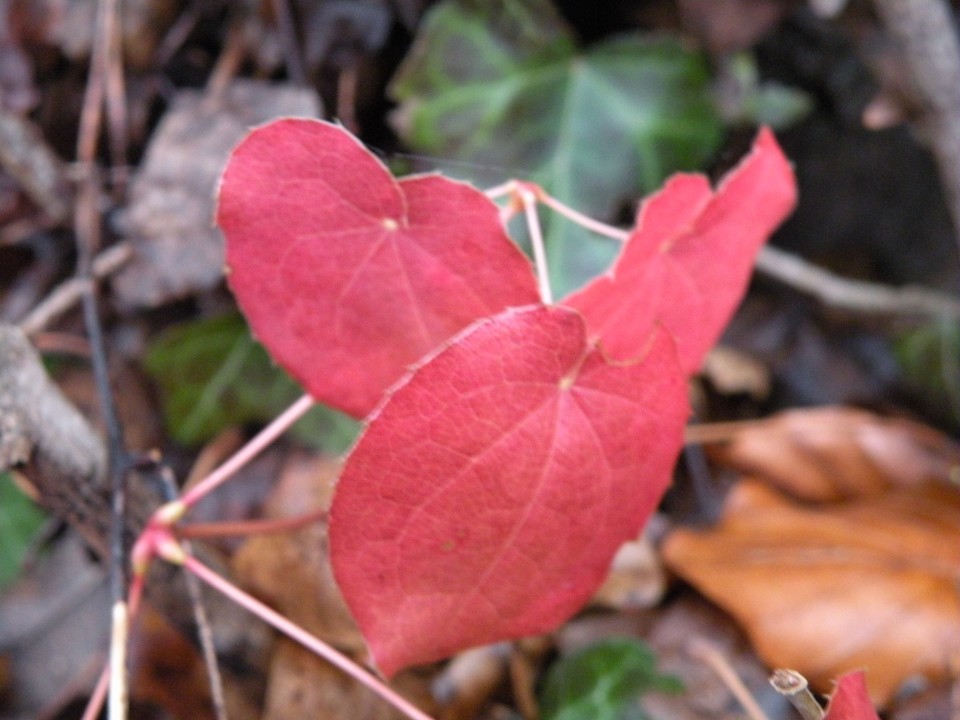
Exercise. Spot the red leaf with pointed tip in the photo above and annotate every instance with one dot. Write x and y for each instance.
(489, 493)
(851, 701)
(349, 276)
(687, 262)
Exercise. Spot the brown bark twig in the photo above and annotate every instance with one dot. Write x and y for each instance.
(50, 444)
(927, 34)
(116, 95)
(45, 438)
(65, 296)
(794, 687)
(854, 295)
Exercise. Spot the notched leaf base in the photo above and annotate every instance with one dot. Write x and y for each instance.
(484, 501)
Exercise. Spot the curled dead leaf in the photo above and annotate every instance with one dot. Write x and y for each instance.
(835, 453)
(868, 584)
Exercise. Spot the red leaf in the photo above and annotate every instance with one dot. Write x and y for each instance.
(687, 262)
(489, 493)
(347, 275)
(851, 701)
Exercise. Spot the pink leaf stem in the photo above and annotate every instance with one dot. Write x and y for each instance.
(249, 451)
(312, 643)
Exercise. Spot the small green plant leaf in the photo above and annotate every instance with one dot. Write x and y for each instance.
(213, 375)
(605, 681)
(20, 519)
(930, 358)
(749, 100)
(503, 83)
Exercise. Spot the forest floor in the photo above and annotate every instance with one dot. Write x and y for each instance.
(814, 518)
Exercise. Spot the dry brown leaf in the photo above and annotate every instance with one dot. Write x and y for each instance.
(304, 687)
(168, 671)
(868, 584)
(169, 218)
(291, 571)
(834, 453)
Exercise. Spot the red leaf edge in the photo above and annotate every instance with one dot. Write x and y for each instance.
(687, 262)
(347, 275)
(401, 577)
(851, 699)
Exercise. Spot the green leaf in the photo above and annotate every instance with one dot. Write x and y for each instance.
(750, 101)
(213, 375)
(930, 358)
(20, 520)
(604, 682)
(502, 83)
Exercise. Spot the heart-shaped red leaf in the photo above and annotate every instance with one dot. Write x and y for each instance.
(851, 701)
(488, 494)
(688, 260)
(349, 276)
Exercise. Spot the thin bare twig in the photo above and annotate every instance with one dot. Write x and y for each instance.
(347, 82)
(708, 654)
(65, 296)
(116, 96)
(87, 230)
(199, 608)
(296, 633)
(117, 457)
(225, 69)
(99, 694)
(289, 43)
(830, 289)
(794, 687)
(854, 295)
(207, 645)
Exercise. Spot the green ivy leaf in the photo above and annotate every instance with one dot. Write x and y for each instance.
(604, 682)
(20, 520)
(502, 83)
(930, 358)
(213, 375)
